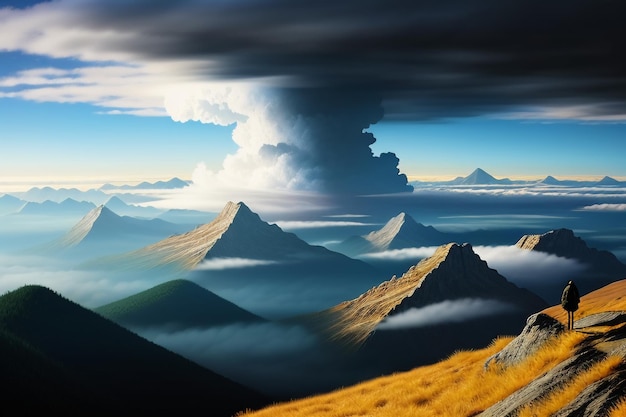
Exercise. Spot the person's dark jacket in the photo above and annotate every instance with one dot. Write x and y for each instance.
(570, 297)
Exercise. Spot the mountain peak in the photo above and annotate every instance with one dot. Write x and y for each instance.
(560, 242)
(402, 231)
(236, 232)
(564, 243)
(83, 227)
(608, 181)
(478, 177)
(453, 272)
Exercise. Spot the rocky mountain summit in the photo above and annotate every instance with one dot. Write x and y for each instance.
(563, 242)
(599, 267)
(454, 272)
(237, 232)
(401, 231)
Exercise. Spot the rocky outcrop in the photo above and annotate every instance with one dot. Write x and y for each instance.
(540, 329)
(594, 400)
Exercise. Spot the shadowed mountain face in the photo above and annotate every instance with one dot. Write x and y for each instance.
(119, 372)
(449, 301)
(454, 272)
(602, 266)
(178, 304)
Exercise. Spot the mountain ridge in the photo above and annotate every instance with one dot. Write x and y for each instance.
(175, 304)
(453, 272)
(131, 373)
(543, 370)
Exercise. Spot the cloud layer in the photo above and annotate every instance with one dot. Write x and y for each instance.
(450, 311)
(425, 59)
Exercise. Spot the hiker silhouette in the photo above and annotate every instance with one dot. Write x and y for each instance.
(569, 300)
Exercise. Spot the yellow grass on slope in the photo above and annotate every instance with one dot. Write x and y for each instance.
(457, 386)
(608, 298)
(619, 410)
(558, 399)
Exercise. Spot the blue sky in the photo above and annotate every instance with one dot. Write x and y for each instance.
(88, 96)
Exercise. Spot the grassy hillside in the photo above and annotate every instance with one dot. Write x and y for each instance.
(56, 343)
(178, 303)
(462, 385)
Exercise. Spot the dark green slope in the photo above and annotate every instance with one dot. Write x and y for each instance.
(178, 303)
(108, 368)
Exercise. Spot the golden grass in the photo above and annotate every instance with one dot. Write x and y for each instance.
(609, 298)
(619, 410)
(457, 386)
(558, 399)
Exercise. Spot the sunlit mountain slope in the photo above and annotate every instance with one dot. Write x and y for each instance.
(545, 371)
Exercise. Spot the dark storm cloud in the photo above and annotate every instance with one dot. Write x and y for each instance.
(424, 58)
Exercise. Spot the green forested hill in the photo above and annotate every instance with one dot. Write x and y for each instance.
(64, 355)
(178, 303)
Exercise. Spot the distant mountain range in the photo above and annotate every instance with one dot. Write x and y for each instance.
(66, 207)
(158, 185)
(10, 204)
(177, 304)
(57, 195)
(59, 355)
(481, 177)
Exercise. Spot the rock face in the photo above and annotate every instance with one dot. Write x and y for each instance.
(563, 242)
(594, 400)
(602, 267)
(454, 272)
(539, 329)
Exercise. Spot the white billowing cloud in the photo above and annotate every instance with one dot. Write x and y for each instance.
(522, 266)
(605, 207)
(216, 264)
(257, 115)
(449, 311)
(401, 254)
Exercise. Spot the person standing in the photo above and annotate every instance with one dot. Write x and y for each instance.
(569, 300)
